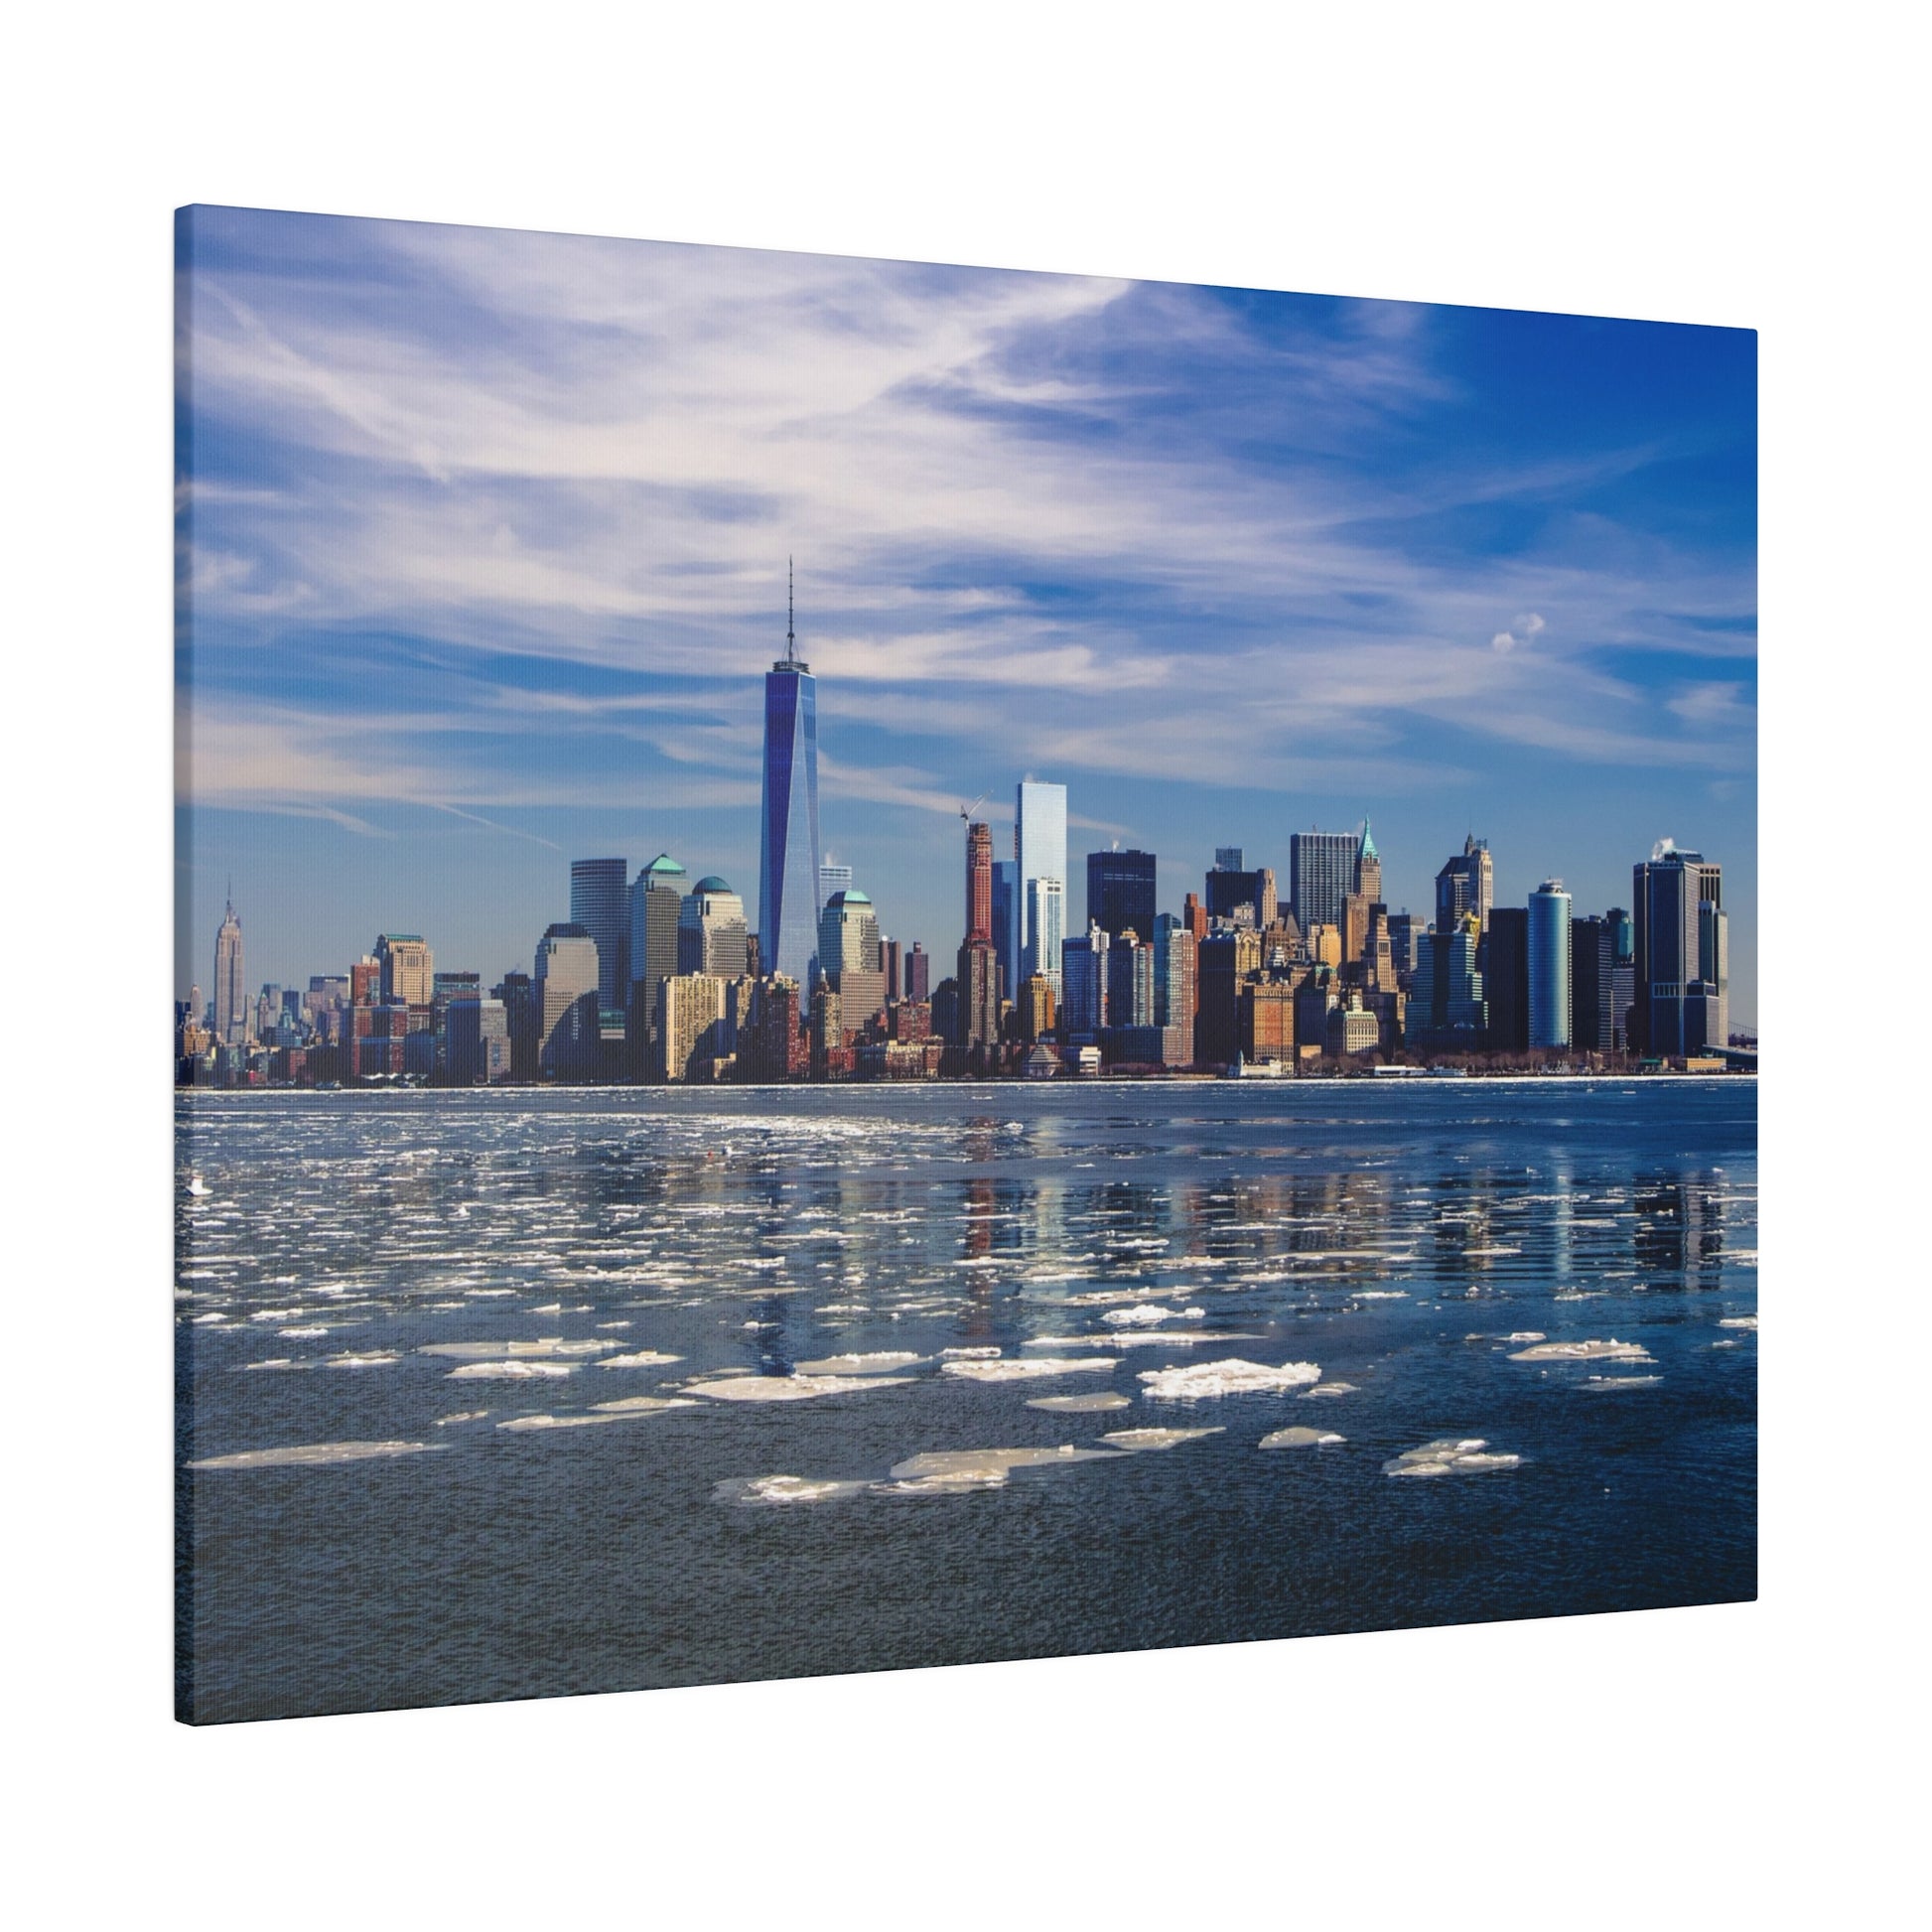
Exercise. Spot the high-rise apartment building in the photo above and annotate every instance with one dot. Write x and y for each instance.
(1006, 875)
(1039, 879)
(1175, 1001)
(711, 930)
(979, 959)
(1084, 983)
(979, 884)
(1120, 892)
(788, 849)
(230, 987)
(1549, 966)
(689, 1030)
(1130, 980)
(1323, 868)
(915, 966)
(600, 902)
(1466, 884)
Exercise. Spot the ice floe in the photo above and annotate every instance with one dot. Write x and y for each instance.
(1232, 1377)
(1300, 1438)
(1610, 1350)
(311, 1454)
(1448, 1457)
(1739, 1322)
(543, 1345)
(381, 1359)
(756, 1491)
(791, 1388)
(601, 1411)
(1080, 1405)
(1027, 1370)
(1144, 1312)
(509, 1371)
(1610, 1384)
(1157, 1439)
(641, 1358)
(970, 1354)
(462, 1414)
(880, 1362)
(952, 1472)
(1328, 1388)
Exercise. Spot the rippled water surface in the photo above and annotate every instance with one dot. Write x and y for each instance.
(462, 1411)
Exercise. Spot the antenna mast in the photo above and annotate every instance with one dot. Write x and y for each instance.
(792, 646)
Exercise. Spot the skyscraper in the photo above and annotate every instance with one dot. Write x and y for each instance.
(1323, 868)
(1039, 854)
(1506, 978)
(657, 901)
(408, 968)
(1230, 887)
(1368, 865)
(1005, 921)
(1593, 1024)
(1677, 945)
(1548, 964)
(566, 1000)
(789, 853)
(231, 990)
(1121, 891)
(711, 930)
(599, 897)
(979, 884)
(979, 961)
(1466, 884)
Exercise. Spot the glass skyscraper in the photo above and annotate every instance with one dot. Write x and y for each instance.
(600, 895)
(1039, 882)
(1548, 964)
(788, 850)
(1323, 868)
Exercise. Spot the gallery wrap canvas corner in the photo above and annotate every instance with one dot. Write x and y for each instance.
(883, 965)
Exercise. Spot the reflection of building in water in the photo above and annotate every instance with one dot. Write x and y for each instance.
(1680, 1230)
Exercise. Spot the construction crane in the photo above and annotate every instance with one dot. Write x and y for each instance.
(967, 811)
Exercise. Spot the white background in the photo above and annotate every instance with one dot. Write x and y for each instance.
(1730, 1766)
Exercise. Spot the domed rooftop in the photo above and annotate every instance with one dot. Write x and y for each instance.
(849, 896)
(710, 882)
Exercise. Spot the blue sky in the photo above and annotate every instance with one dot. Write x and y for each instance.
(486, 538)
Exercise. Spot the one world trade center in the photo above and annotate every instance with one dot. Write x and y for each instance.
(788, 824)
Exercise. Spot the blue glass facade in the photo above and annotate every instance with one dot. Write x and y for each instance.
(788, 849)
(1548, 964)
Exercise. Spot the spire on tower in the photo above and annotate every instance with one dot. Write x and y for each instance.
(792, 646)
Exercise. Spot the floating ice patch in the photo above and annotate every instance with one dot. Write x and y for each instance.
(1610, 1350)
(1021, 1371)
(462, 1414)
(791, 1388)
(752, 1491)
(953, 1471)
(642, 1404)
(880, 1362)
(642, 1358)
(1130, 1338)
(311, 1454)
(1143, 1312)
(1449, 1455)
(604, 1412)
(970, 1354)
(1739, 1322)
(1381, 1295)
(1156, 1438)
(1233, 1377)
(1079, 1405)
(509, 1371)
(486, 1351)
(1328, 1388)
(298, 1335)
(1610, 1384)
(378, 1360)
(1526, 1336)
(1300, 1438)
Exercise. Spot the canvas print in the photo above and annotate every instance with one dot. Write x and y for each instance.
(885, 965)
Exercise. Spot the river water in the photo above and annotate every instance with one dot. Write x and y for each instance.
(1525, 1309)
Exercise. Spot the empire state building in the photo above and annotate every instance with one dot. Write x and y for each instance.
(788, 849)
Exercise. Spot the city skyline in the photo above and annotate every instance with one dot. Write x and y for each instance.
(473, 598)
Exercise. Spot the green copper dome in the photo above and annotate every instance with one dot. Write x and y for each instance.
(663, 866)
(710, 882)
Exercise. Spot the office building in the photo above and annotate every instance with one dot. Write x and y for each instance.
(711, 932)
(1039, 879)
(1467, 883)
(408, 967)
(1549, 967)
(1593, 1024)
(567, 1002)
(1406, 930)
(1120, 892)
(657, 910)
(1323, 868)
(833, 879)
(1006, 875)
(1623, 974)
(1223, 963)
(600, 902)
(1036, 1013)
(688, 1035)
(1236, 895)
(477, 1041)
(1447, 1006)
(231, 1028)
(1130, 980)
(788, 850)
(1676, 944)
(915, 975)
(850, 955)
(1368, 865)
(1506, 978)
